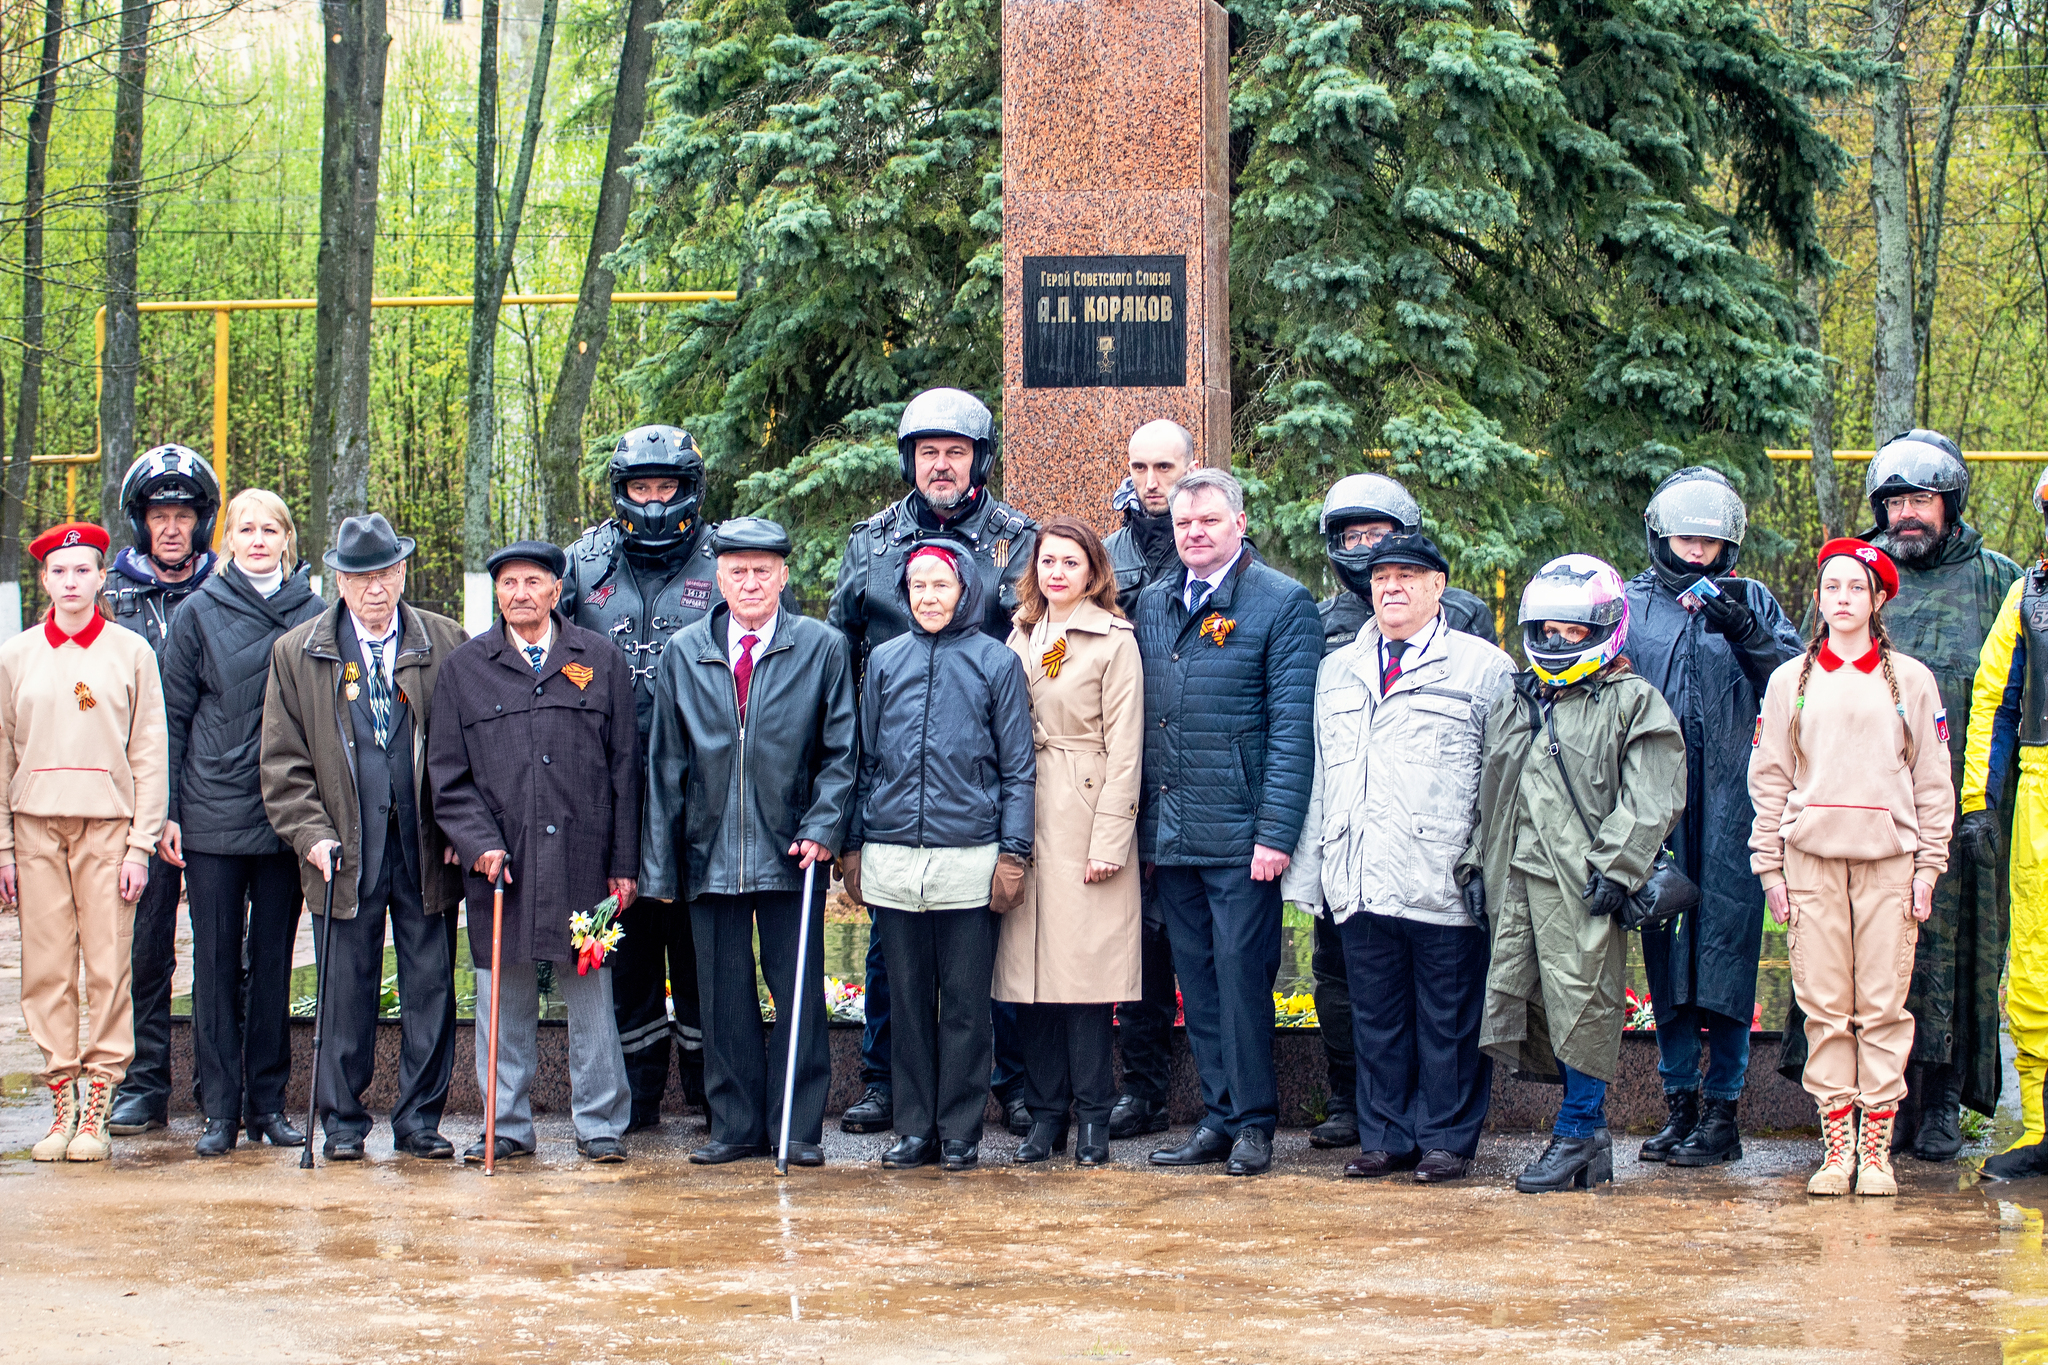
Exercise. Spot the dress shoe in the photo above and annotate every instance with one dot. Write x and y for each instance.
(1570, 1164)
(1713, 1140)
(806, 1154)
(1204, 1147)
(218, 1139)
(134, 1114)
(1339, 1130)
(2021, 1163)
(1438, 1166)
(1371, 1165)
(1016, 1117)
(875, 1112)
(909, 1152)
(274, 1129)
(1684, 1116)
(507, 1150)
(716, 1153)
(958, 1155)
(607, 1150)
(1091, 1146)
(344, 1147)
(427, 1144)
(1251, 1154)
(1041, 1142)
(1134, 1117)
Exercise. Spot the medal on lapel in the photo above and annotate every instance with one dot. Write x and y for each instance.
(349, 673)
(353, 690)
(1054, 657)
(580, 674)
(1215, 626)
(84, 695)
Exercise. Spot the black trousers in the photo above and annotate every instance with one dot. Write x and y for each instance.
(154, 960)
(743, 1067)
(1225, 932)
(1144, 1026)
(1333, 1016)
(1067, 1061)
(1006, 1076)
(245, 916)
(657, 962)
(426, 1006)
(941, 967)
(1417, 993)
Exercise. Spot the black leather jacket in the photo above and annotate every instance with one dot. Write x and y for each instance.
(1139, 551)
(639, 601)
(145, 603)
(868, 602)
(743, 794)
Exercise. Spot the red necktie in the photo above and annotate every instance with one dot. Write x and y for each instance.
(743, 671)
(1392, 672)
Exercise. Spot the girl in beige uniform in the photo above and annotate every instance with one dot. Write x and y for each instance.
(83, 758)
(1850, 777)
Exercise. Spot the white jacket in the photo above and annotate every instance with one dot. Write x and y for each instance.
(1396, 787)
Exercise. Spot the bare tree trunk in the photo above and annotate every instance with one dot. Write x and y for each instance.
(1892, 368)
(352, 143)
(124, 196)
(1827, 483)
(1937, 195)
(28, 401)
(561, 442)
(493, 266)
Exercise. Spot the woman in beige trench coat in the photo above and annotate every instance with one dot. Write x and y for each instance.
(1069, 950)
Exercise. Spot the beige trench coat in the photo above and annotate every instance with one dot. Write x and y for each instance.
(1070, 942)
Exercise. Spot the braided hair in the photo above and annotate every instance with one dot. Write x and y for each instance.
(1879, 637)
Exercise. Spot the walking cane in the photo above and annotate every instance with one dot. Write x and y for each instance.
(796, 1023)
(319, 1005)
(491, 1084)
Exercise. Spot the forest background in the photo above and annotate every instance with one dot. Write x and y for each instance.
(839, 164)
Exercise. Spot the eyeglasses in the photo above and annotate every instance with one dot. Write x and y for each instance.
(384, 577)
(1912, 502)
(1361, 537)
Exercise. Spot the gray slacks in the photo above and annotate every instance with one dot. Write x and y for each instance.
(598, 1093)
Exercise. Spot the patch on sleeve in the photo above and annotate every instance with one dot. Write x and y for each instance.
(1756, 734)
(1941, 726)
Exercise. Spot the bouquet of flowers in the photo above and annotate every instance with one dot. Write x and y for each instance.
(595, 932)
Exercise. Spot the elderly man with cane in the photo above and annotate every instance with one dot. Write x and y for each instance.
(535, 765)
(345, 730)
(751, 761)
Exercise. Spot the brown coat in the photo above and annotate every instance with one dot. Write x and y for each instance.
(309, 775)
(1068, 941)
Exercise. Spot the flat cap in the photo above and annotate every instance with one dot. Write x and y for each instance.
(1416, 550)
(549, 557)
(749, 533)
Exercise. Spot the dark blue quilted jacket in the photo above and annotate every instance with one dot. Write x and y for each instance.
(1229, 728)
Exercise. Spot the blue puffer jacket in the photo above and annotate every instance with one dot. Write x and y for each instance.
(945, 736)
(1230, 726)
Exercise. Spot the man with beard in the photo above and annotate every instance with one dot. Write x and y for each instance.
(1950, 592)
(171, 498)
(945, 444)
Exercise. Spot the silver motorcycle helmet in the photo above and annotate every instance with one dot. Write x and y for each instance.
(947, 412)
(1364, 497)
(1694, 501)
(1919, 461)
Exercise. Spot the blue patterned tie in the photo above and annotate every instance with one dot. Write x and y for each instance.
(380, 693)
(537, 655)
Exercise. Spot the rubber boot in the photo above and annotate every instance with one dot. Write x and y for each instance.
(1837, 1153)
(1874, 1153)
(1684, 1106)
(90, 1142)
(1714, 1139)
(1941, 1117)
(64, 1125)
(2018, 1163)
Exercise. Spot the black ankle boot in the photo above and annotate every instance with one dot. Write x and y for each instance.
(1570, 1163)
(1046, 1137)
(1713, 1140)
(1091, 1148)
(1685, 1114)
(1941, 1118)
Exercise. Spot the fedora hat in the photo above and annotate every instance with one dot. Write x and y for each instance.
(366, 544)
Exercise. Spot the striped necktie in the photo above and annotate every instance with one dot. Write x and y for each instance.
(380, 692)
(537, 656)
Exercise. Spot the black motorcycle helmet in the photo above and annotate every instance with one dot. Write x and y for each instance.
(1694, 501)
(172, 475)
(1364, 497)
(657, 452)
(1919, 461)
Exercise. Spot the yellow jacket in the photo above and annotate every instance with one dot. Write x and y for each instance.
(1995, 706)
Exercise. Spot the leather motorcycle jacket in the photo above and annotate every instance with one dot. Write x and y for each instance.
(144, 603)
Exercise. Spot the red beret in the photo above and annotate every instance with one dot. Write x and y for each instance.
(64, 537)
(1872, 558)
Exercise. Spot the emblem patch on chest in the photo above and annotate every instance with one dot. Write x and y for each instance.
(580, 674)
(601, 594)
(84, 695)
(2038, 619)
(696, 594)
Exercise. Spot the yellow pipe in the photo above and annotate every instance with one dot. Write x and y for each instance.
(220, 413)
(1974, 456)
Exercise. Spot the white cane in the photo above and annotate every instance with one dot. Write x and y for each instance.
(796, 1023)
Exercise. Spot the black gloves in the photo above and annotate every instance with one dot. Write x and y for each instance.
(1977, 838)
(1473, 891)
(1604, 896)
(1729, 614)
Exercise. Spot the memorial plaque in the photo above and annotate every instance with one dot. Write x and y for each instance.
(1114, 322)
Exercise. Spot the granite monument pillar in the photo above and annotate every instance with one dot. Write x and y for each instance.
(1116, 241)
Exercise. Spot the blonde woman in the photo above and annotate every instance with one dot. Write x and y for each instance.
(81, 803)
(1069, 950)
(1854, 798)
(241, 881)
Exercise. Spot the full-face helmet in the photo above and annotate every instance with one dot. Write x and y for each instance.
(657, 452)
(1579, 590)
(171, 475)
(1695, 501)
